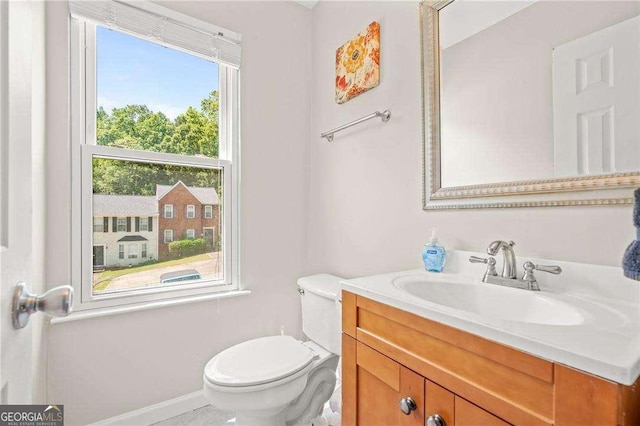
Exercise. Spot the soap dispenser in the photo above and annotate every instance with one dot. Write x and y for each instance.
(434, 255)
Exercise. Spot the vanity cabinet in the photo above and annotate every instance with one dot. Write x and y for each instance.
(389, 354)
(380, 384)
(454, 410)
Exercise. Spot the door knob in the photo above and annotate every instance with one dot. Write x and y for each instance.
(436, 420)
(56, 302)
(407, 405)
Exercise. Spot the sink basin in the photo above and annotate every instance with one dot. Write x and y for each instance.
(491, 301)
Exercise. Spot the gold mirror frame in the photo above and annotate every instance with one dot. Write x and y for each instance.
(602, 190)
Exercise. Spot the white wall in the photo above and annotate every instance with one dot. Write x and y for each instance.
(106, 366)
(365, 196)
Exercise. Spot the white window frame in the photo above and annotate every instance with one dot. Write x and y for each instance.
(169, 239)
(123, 224)
(144, 250)
(121, 251)
(192, 232)
(191, 207)
(167, 211)
(208, 211)
(98, 221)
(84, 149)
(143, 220)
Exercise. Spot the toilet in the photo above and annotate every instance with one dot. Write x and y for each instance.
(279, 380)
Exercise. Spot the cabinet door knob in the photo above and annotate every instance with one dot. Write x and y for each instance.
(407, 405)
(436, 420)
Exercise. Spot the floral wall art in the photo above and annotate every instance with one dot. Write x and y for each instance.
(358, 64)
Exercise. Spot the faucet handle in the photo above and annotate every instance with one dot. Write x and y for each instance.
(476, 259)
(530, 279)
(490, 262)
(551, 269)
(530, 267)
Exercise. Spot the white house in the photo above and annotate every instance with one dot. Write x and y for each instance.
(125, 230)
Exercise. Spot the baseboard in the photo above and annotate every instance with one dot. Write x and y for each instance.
(157, 412)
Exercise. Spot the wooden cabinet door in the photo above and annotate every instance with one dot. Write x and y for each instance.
(439, 401)
(467, 414)
(372, 387)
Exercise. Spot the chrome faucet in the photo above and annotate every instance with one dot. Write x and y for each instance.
(509, 269)
(509, 276)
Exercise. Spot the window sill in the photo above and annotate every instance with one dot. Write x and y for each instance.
(116, 310)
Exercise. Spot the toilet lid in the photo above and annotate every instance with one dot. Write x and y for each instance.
(258, 361)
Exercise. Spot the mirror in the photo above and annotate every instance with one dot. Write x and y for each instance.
(530, 103)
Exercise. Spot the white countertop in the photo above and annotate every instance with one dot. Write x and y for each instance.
(606, 343)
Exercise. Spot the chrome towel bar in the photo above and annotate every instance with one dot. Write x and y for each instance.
(385, 116)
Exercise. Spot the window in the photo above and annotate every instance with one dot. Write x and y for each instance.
(208, 212)
(133, 251)
(121, 224)
(138, 150)
(98, 224)
(168, 211)
(191, 211)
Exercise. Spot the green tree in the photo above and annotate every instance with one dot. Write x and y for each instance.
(124, 177)
(210, 106)
(194, 132)
(133, 127)
(190, 136)
(133, 178)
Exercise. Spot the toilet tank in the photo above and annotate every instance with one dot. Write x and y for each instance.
(322, 310)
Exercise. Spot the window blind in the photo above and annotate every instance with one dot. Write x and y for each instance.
(163, 26)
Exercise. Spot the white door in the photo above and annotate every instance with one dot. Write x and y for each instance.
(18, 130)
(596, 102)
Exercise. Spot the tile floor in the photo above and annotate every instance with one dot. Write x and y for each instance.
(208, 416)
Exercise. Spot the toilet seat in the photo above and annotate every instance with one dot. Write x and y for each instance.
(258, 361)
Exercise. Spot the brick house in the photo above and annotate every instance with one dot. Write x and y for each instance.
(133, 229)
(186, 212)
(125, 230)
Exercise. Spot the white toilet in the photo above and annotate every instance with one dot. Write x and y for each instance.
(278, 380)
